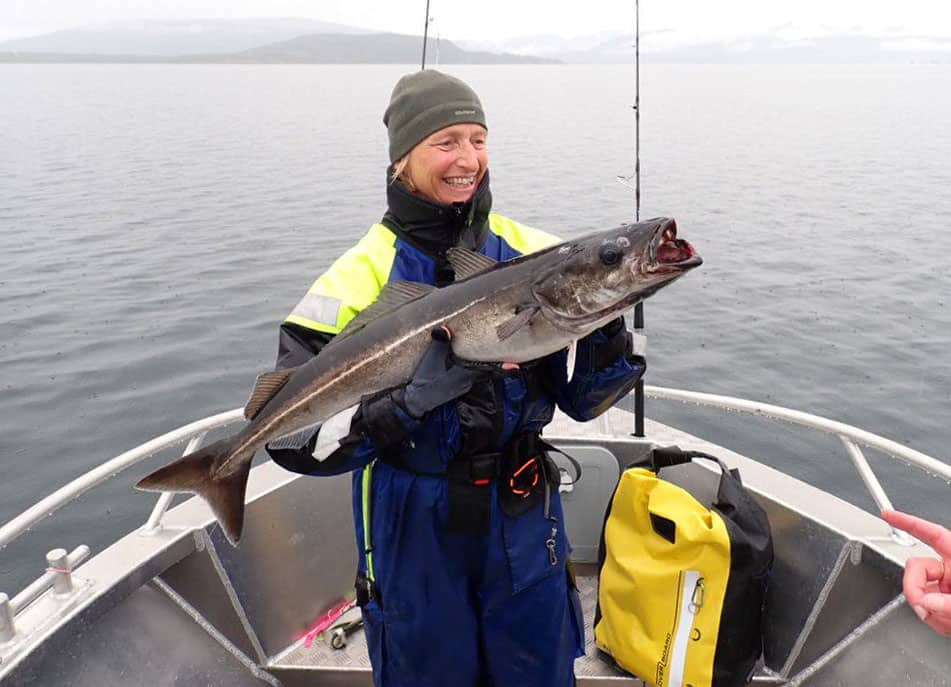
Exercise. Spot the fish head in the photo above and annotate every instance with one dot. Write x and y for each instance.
(602, 275)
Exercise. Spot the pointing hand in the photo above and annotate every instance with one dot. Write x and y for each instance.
(927, 581)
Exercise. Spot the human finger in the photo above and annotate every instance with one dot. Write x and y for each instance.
(442, 333)
(939, 604)
(438, 352)
(938, 612)
(932, 534)
(919, 572)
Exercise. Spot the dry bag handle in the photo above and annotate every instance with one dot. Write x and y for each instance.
(666, 456)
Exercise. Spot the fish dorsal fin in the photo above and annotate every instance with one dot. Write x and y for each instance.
(396, 293)
(393, 295)
(265, 387)
(466, 263)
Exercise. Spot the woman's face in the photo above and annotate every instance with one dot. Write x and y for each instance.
(447, 166)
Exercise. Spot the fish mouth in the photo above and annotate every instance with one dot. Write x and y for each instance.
(669, 253)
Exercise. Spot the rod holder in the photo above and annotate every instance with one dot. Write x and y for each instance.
(58, 576)
(7, 630)
(58, 564)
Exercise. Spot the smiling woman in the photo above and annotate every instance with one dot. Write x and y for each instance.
(448, 166)
(446, 549)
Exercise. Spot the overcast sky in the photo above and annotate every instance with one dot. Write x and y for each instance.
(689, 20)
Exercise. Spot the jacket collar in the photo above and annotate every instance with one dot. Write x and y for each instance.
(434, 227)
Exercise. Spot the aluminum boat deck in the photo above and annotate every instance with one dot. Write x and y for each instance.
(321, 656)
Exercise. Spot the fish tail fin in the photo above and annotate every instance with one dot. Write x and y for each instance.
(196, 474)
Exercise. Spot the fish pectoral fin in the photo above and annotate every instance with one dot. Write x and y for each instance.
(523, 316)
(199, 473)
(466, 263)
(265, 387)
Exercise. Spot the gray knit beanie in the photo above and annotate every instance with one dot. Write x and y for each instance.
(424, 102)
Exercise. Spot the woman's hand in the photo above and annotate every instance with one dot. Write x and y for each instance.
(927, 581)
(438, 378)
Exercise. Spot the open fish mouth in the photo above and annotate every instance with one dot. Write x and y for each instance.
(669, 253)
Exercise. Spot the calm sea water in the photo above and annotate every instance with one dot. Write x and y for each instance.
(157, 223)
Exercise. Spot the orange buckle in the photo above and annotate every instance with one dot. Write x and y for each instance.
(519, 481)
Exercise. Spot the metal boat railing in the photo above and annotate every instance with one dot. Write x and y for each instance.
(850, 437)
(195, 433)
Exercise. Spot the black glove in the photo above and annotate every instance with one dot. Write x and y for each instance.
(438, 378)
(619, 341)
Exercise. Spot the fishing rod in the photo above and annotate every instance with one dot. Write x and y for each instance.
(639, 308)
(637, 111)
(425, 36)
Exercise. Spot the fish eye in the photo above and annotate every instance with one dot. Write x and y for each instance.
(610, 255)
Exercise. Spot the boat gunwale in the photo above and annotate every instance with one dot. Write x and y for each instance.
(849, 434)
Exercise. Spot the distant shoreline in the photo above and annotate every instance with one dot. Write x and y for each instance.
(320, 48)
(308, 42)
(41, 58)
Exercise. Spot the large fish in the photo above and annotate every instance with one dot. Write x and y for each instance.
(512, 311)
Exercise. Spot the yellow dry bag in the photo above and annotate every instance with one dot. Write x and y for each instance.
(681, 586)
